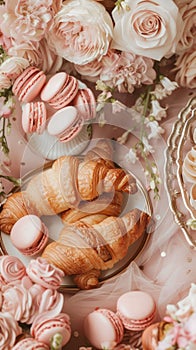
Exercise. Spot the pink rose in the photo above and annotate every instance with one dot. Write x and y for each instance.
(147, 28)
(186, 69)
(188, 12)
(45, 274)
(11, 268)
(9, 330)
(38, 54)
(90, 71)
(82, 31)
(126, 70)
(28, 20)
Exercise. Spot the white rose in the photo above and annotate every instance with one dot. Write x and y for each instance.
(82, 31)
(150, 29)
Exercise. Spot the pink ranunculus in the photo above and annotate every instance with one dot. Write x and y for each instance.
(188, 12)
(12, 67)
(38, 54)
(9, 330)
(82, 31)
(186, 69)
(11, 268)
(126, 71)
(147, 28)
(45, 274)
(28, 20)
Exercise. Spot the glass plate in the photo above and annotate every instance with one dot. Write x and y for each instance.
(180, 142)
(139, 200)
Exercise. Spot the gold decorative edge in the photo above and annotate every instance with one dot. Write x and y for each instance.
(173, 169)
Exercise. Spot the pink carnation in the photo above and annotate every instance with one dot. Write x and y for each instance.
(28, 20)
(126, 71)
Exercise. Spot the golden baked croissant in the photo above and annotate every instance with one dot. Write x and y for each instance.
(69, 181)
(92, 212)
(84, 250)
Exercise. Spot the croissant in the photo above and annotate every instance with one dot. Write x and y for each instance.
(84, 250)
(91, 212)
(69, 181)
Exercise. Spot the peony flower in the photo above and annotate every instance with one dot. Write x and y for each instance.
(188, 12)
(186, 69)
(126, 70)
(44, 274)
(12, 67)
(9, 330)
(38, 54)
(147, 28)
(28, 20)
(82, 31)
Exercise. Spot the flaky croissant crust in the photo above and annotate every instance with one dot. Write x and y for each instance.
(69, 181)
(82, 248)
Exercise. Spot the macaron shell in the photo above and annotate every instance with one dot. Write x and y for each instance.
(73, 131)
(42, 117)
(99, 330)
(64, 97)
(136, 310)
(29, 84)
(85, 103)
(32, 89)
(53, 86)
(22, 78)
(26, 112)
(29, 235)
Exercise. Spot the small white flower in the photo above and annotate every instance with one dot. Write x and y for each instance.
(169, 85)
(155, 129)
(132, 155)
(152, 184)
(159, 92)
(147, 147)
(157, 111)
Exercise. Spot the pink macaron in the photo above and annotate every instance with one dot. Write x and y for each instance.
(28, 84)
(60, 90)
(85, 103)
(65, 124)
(34, 116)
(136, 309)
(103, 328)
(29, 235)
(30, 344)
(45, 327)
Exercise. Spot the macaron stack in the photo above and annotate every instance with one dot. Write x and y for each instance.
(29, 235)
(60, 90)
(135, 311)
(41, 97)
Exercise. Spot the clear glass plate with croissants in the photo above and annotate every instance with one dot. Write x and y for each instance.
(98, 216)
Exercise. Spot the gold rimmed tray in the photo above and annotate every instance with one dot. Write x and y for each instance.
(180, 142)
(139, 200)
